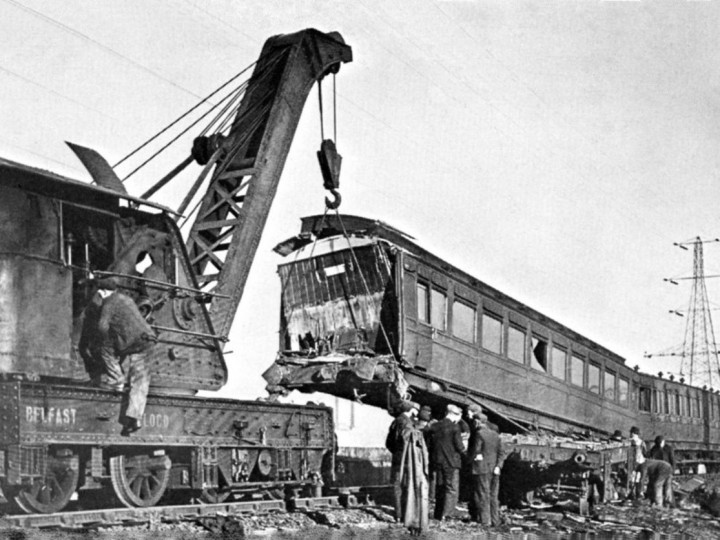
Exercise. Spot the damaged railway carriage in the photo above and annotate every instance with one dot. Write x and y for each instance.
(61, 434)
(373, 316)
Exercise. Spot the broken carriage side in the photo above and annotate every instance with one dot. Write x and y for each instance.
(374, 316)
(59, 433)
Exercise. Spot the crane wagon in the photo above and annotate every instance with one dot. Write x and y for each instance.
(59, 433)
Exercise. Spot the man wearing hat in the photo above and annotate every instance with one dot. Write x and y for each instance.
(446, 450)
(486, 452)
(394, 442)
(640, 454)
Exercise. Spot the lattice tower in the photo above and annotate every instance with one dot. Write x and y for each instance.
(699, 364)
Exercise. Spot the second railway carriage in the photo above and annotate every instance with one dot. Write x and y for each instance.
(369, 314)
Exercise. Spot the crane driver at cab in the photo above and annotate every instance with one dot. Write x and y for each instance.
(117, 338)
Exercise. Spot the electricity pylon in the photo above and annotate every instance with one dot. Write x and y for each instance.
(699, 352)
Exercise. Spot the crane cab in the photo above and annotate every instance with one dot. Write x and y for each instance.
(56, 235)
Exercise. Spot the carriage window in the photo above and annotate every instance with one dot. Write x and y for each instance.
(681, 404)
(672, 403)
(609, 385)
(539, 357)
(558, 363)
(623, 387)
(644, 399)
(423, 311)
(594, 378)
(696, 403)
(438, 309)
(665, 402)
(577, 370)
(463, 321)
(516, 344)
(690, 405)
(492, 333)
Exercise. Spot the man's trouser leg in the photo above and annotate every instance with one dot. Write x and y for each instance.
(397, 491)
(139, 386)
(669, 498)
(440, 480)
(483, 486)
(452, 483)
(111, 374)
(494, 501)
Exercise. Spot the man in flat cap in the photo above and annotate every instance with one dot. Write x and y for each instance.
(117, 338)
(487, 455)
(394, 442)
(446, 451)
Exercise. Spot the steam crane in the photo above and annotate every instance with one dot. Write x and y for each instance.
(59, 434)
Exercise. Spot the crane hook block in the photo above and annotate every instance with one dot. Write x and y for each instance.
(334, 204)
(204, 147)
(330, 162)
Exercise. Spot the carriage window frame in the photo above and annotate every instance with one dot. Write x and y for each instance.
(539, 353)
(470, 337)
(645, 399)
(422, 291)
(623, 382)
(557, 352)
(609, 385)
(435, 294)
(484, 335)
(575, 360)
(592, 369)
(520, 332)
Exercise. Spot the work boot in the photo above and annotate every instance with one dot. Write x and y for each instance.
(131, 425)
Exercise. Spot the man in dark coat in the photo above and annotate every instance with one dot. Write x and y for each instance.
(664, 452)
(488, 456)
(446, 450)
(123, 336)
(395, 442)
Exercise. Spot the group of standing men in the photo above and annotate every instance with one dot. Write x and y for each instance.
(448, 445)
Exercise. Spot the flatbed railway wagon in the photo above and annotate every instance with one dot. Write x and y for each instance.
(368, 314)
(60, 434)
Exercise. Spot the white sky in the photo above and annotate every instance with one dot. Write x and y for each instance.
(555, 150)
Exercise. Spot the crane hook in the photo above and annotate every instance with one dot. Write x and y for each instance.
(334, 204)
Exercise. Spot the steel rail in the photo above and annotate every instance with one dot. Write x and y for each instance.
(119, 517)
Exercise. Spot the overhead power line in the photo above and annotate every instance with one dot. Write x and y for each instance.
(100, 45)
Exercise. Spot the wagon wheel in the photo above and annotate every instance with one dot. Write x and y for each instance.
(53, 491)
(139, 481)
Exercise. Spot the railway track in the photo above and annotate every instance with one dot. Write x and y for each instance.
(112, 517)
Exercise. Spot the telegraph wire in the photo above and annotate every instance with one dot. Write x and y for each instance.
(59, 94)
(100, 45)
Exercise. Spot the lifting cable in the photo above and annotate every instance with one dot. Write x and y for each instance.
(322, 115)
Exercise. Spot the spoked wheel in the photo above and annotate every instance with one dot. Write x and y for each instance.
(51, 492)
(139, 481)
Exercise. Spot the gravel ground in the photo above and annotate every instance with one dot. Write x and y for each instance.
(609, 521)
